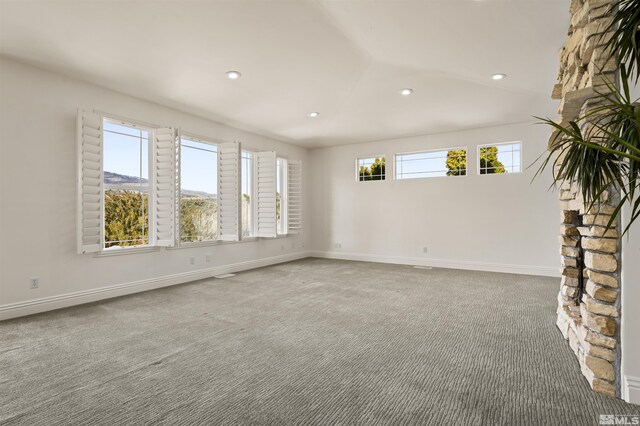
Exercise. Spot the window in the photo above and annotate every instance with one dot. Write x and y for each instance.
(148, 186)
(198, 211)
(500, 158)
(371, 168)
(126, 184)
(450, 162)
(281, 196)
(246, 178)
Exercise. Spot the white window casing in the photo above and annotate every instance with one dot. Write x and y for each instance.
(90, 183)
(229, 219)
(265, 194)
(294, 192)
(164, 186)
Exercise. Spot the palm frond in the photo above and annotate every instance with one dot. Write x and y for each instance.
(623, 38)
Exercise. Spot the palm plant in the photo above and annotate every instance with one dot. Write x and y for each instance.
(606, 153)
(624, 38)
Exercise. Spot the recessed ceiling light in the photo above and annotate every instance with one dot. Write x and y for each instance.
(232, 75)
(499, 76)
(406, 92)
(314, 114)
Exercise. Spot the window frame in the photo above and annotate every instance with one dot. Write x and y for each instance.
(179, 242)
(357, 168)
(496, 145)
(151, 129)
(446, 150)
(252, 206)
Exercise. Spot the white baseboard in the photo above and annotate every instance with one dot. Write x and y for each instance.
(631, 389)
(35, 306)
(442, 263)
(44, 304)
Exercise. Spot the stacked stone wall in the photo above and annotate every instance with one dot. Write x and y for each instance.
(588, 319)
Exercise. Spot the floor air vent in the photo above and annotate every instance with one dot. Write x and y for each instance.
(225, 276)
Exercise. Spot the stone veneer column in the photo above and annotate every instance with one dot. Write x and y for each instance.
(592, 325)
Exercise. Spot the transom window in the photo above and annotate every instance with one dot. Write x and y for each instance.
(371, 168)
(126, 184)
(198, 190)
(500, 158)
(426, 164)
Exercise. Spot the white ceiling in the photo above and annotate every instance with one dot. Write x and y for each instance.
(345, 59)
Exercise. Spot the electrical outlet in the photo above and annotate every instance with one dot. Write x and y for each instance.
(208, 258)
(282, 247)
(35, 283)
(192, 260)
(293, 245)
(337, 245)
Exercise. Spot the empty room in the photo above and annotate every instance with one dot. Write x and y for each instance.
(320, 212)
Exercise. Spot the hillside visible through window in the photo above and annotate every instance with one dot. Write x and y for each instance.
(198, 191)
(126, 185)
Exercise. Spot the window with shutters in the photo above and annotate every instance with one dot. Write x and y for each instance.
(198, 213)
(126, 153)
(264, 198)
(281, 195)
(246, 187)
(151, 186)
(229, 203)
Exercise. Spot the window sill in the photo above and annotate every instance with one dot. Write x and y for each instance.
(500, 174)
(200, 244)
(124, 251)
(224, 243)
(428, 178)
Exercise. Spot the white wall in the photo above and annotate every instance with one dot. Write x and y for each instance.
(38, 196)
(630, 327)
(492, 222)
(630, 333)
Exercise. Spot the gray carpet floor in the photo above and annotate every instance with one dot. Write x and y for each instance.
(308, 342)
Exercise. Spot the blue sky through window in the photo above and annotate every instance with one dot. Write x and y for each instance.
(126, 150)
(199, 168)
(509, 156)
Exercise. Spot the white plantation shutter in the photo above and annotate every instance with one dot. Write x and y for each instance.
(266, 194)
(229, 191)
(294, 192)
(177, 188)
(164, 188)
(90, 185)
